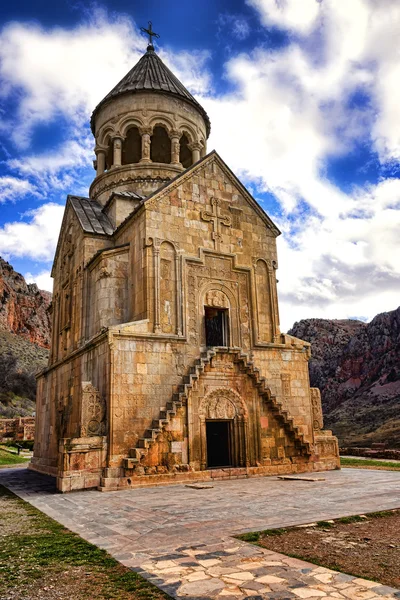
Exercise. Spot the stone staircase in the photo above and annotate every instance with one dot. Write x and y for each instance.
(180, 398)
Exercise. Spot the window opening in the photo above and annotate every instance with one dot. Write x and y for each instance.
(217, 326)
(132, 147)
(185, 154)
(160, 150)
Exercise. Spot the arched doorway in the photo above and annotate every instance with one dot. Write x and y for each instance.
(223, 426)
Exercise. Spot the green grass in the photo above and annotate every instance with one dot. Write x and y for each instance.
(50, 549)
(8, 458)
(352, 519)
(325, 524)
(358, 462)
(254, 536)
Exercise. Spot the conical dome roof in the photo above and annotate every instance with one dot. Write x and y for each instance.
(150, 74)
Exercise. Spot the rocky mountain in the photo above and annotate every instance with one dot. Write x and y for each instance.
(24, 341)
(24, 309)
(357, 367)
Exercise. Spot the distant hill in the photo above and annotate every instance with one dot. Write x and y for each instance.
(357, 367)
(24, 309)
(24, 341)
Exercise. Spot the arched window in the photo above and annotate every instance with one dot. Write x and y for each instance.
(132, 147)
(185, 154)
(109, 154)
(160, 150)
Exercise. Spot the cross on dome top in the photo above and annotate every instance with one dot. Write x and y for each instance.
(151, 34)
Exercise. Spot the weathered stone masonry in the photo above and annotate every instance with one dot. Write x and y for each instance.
(167, 362)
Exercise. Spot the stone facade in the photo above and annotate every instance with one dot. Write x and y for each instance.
(167, 362)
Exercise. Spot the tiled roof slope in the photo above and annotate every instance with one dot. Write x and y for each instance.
(150, 74)
(90, 216)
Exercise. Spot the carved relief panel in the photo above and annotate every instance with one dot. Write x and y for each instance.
(318, 419)
(93, 411)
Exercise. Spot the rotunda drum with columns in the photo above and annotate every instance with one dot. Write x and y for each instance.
(148, 129)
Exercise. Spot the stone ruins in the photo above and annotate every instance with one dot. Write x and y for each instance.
(167, 363)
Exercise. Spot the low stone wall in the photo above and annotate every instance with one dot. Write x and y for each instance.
(17, 430)
(391, 454)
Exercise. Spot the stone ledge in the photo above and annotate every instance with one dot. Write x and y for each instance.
(109, 484)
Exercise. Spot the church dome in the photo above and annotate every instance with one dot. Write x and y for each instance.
(151, 74)
(148, 129)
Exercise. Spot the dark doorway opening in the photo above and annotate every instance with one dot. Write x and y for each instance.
(216, 321)
(218, 444)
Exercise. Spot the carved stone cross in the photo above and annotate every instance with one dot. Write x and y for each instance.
(217, 220)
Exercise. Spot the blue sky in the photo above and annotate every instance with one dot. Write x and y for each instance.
(303, 97)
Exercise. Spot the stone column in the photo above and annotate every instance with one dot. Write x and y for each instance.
(146, 143)
(203, 444)
(100, 160)
(117, 149)
(272, 267)
(156, 254)
(175, 147)
(195, 148)
(178, 293)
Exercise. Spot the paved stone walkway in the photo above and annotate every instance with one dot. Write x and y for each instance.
(180, 538)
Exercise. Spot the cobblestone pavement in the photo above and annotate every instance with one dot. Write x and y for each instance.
(180, 538)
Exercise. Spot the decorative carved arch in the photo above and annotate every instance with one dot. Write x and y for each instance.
(222, 403)
(162, 122)
(106, 133)
(234, 325)
(189, 132)
(127, 122)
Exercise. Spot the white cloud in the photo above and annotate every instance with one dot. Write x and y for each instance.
(68, 71)
(13, 188)
(64, 71)
(293, 109)
(190, 68)
(42, 279)
(229, 24)
(69, 155)
(36, 239)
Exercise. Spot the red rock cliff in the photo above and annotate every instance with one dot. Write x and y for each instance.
(24, 309)
(357, 367)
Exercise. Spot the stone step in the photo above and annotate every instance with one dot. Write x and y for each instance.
(144, 442)
(130, 463)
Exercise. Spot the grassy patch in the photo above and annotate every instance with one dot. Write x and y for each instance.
(325, 524)
(8, 458)
(44, 554)
(352, 519)
(254, 536)
(358, 462)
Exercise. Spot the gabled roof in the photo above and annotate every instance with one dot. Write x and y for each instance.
(150, 74)
(167, 187)
(90, 216)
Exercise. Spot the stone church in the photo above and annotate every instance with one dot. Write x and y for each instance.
(167, 363)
